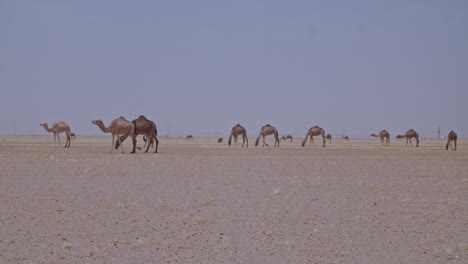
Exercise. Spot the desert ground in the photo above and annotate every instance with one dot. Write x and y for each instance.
(202, 202)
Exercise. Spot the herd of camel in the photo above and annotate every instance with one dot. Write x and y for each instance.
(121, 128)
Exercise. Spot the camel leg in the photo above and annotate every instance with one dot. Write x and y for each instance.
(324, 141)
(246, 141)
(157, 143)
(455, 142)
(113, 140)
(120, 143)
(58, 137)
(264, 143)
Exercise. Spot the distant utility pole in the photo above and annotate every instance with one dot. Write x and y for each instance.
(438, 133)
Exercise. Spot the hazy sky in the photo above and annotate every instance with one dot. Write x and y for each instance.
(200, 67)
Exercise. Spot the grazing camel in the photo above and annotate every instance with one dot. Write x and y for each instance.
(452, 136)
(383, 135)
(57, 128)
(410, 134)
(189, 138)
(147, 128)
(283, 138)
(236, 131)
(329, 137)
(346, 138)
(118, 126)
(289, 137)
(220, 140)
(312, 132)
(72, 135)
(267, 130)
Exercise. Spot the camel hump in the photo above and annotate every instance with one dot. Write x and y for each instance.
(238, 125)
(142, 117)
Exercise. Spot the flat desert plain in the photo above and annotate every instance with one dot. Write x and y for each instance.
(202, 202)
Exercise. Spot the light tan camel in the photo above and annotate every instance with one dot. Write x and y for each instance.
(410, 134)
(189, 138)
(312, 132)
(57, 128)
(267, 130)
(145, 127)
(289, 137)
(329, 137)
(119, 126)
(72, 135)
(236, 131)
(346, 138)
(452, 136)
(383, 135)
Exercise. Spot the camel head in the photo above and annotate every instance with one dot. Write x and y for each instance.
(399, 136)
(97, 122)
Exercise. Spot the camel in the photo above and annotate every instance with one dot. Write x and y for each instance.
(236, 131)
(383, 135)
(57, 128)
(220, 140)
(118, 126)
(329, 137)
(145, 127)
(189, 138)
(267, 130)
(289, 137)
(452, 136)
(346, 138)
(72, 135)
(283, 138)
(410, 134)
(312, 132)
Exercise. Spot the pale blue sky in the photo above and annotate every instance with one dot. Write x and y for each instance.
(200, 67)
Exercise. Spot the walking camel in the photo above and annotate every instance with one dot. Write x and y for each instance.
(57, 128)
(147, 128)
(236, 131)
(329, 137)
(267, 130)
(312, 132)
(452, 136)
(408, 135)
(383, 135)
(119, 126)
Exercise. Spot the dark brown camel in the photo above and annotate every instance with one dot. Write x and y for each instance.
(72, 135)
(145, 127)
(189, 138)
(289, 137)
(346, 138)
(383, 135)
(220, 140)
(452, 136)
(283, 138)
(410, 134)
(236, 131)
(267, 130)
(329, 137)
(312, 132)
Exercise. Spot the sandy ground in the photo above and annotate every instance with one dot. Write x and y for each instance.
(201, 202)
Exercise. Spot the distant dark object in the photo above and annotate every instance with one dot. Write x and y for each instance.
(289, 137)
(346, 138)
(220, 140)
(72, 135)
(329, 137)
(189, 138)
(452, 136)
(283, 138)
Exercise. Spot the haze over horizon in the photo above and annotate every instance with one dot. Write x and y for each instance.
(200, 67)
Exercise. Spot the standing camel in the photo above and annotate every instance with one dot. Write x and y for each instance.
(383, 135)
(267, 130)
(147, 128)
(189, 138)
(236, 131)
(118, 126)
(72, 135)
(289, 137)
(346, 138)
(452, 136)
(410, 134)
(283, 138)
(329, 137)
(57, 128)
(312, 132)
